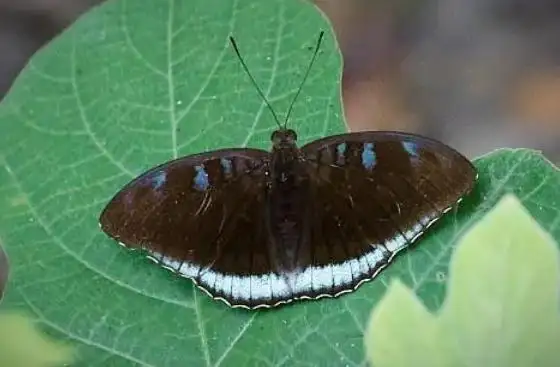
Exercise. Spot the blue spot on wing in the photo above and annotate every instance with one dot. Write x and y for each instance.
(411, 148)
(368, 156)
(226, 165)
(159, 179)
(155, 180)
(201, 182)
(340, 150)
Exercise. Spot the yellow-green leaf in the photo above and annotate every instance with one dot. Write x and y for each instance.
(386, 338)
(502, 305)
(22, 345)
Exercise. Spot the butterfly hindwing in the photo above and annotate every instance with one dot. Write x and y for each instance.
(374, 193)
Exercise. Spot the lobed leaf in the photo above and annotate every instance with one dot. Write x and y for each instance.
(502, 304)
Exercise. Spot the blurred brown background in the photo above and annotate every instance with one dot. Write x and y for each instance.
(476, 74)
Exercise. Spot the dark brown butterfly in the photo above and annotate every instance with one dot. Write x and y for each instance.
(255, 228)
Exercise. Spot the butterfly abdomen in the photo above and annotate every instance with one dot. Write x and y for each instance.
(287, 207)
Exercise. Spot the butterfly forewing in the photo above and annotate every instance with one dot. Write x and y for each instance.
(201, 216)
(373, 194)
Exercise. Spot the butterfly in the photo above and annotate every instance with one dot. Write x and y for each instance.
(258, 229)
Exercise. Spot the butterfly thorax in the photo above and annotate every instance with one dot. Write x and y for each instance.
(287, 200)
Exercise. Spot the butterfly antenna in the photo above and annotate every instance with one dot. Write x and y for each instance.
(234, 45)
(311, 62)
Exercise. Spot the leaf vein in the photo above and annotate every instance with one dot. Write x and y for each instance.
(71, 335)
(56, 239)
(85, 121)
(235, 340)
(274, 74)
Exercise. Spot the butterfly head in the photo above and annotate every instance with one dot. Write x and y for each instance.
(283, 137)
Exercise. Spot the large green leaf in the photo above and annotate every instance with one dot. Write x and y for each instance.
(135, 83)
